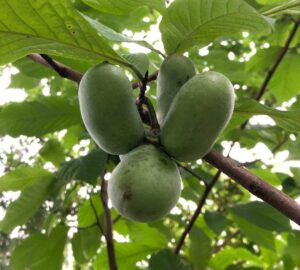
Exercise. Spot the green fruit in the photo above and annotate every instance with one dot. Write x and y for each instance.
(145, 185)
(108, 109)
(199, 112)
(174, 72)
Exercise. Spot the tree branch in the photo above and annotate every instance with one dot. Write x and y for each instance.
(279, 59)
(108, 227)
(61, 69)
(98, 223)
(197, 212)
(191, 172)
(226, 241)
(274, 67)
(255, 185)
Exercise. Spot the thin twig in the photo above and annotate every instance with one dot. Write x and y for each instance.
(216, 249)
(274, 67)
(255, 185)
(197, 212)
(98, 223)
(108, 227)
(61, 69)
(190, 171)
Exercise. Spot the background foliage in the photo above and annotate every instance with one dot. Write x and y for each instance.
(51, 171)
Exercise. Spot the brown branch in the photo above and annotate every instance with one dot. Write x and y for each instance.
(98, 223)
(226, 241)
(255, 185)
(191, 172)
(108, 227)
(279, 59)
(197, 212)
(61, 69)
(274, 67)
(151, 78)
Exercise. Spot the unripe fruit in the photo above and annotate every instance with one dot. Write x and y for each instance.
(174, 72)
(199, 112)
(108, 109)
(145, 185)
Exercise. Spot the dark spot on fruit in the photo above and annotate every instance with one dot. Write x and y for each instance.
(127, 171)
(127, 195)
(73, 32)
(163, 160)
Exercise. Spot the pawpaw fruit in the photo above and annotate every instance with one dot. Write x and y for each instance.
(145, 185)
(198, 114)
(174, 72)
(108, 109)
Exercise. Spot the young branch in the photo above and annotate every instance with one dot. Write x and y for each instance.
(278, 60)
(191, 172)
(226, 241)
(61, 69)
(197, 212)
(108, 227)
(255, 185)
(98, 223)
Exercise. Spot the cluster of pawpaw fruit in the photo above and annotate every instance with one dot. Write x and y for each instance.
(192, 110)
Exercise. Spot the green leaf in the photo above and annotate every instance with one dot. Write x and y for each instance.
(86, 168)
(167, 260)
(127, 255)
(286, 84)
(229, 255)
(22, 177)
(86, 215)
(31, 198)
(262, 215)
(139, 60)
(112, 35)
(254, 233)
(267, 176)
(39, 117)
(293, 247)
(216, 221)
(282, 8)
(85, 244)
(52, 27)
(143, 233)
(187, 23)
(53, 151)
(40, 251)
(200, 249)
(124, 6)
(288, 120)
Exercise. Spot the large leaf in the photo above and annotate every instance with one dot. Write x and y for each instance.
(52, 27)
(167, 260)
(143, 233)
(86, 168)
(293, 247)
(288, 120)
(86, 211)
(85, 244)
(112, 35)
(187, 23)
(283, 8)
(23, 177)
(229, 255)
(127, 255)
(26, 205)
(262, 215)
(40, 251)
(124, 6)
(39, 117)
(200, 249)
(254, 233)
(216, 221)
(53, 151)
